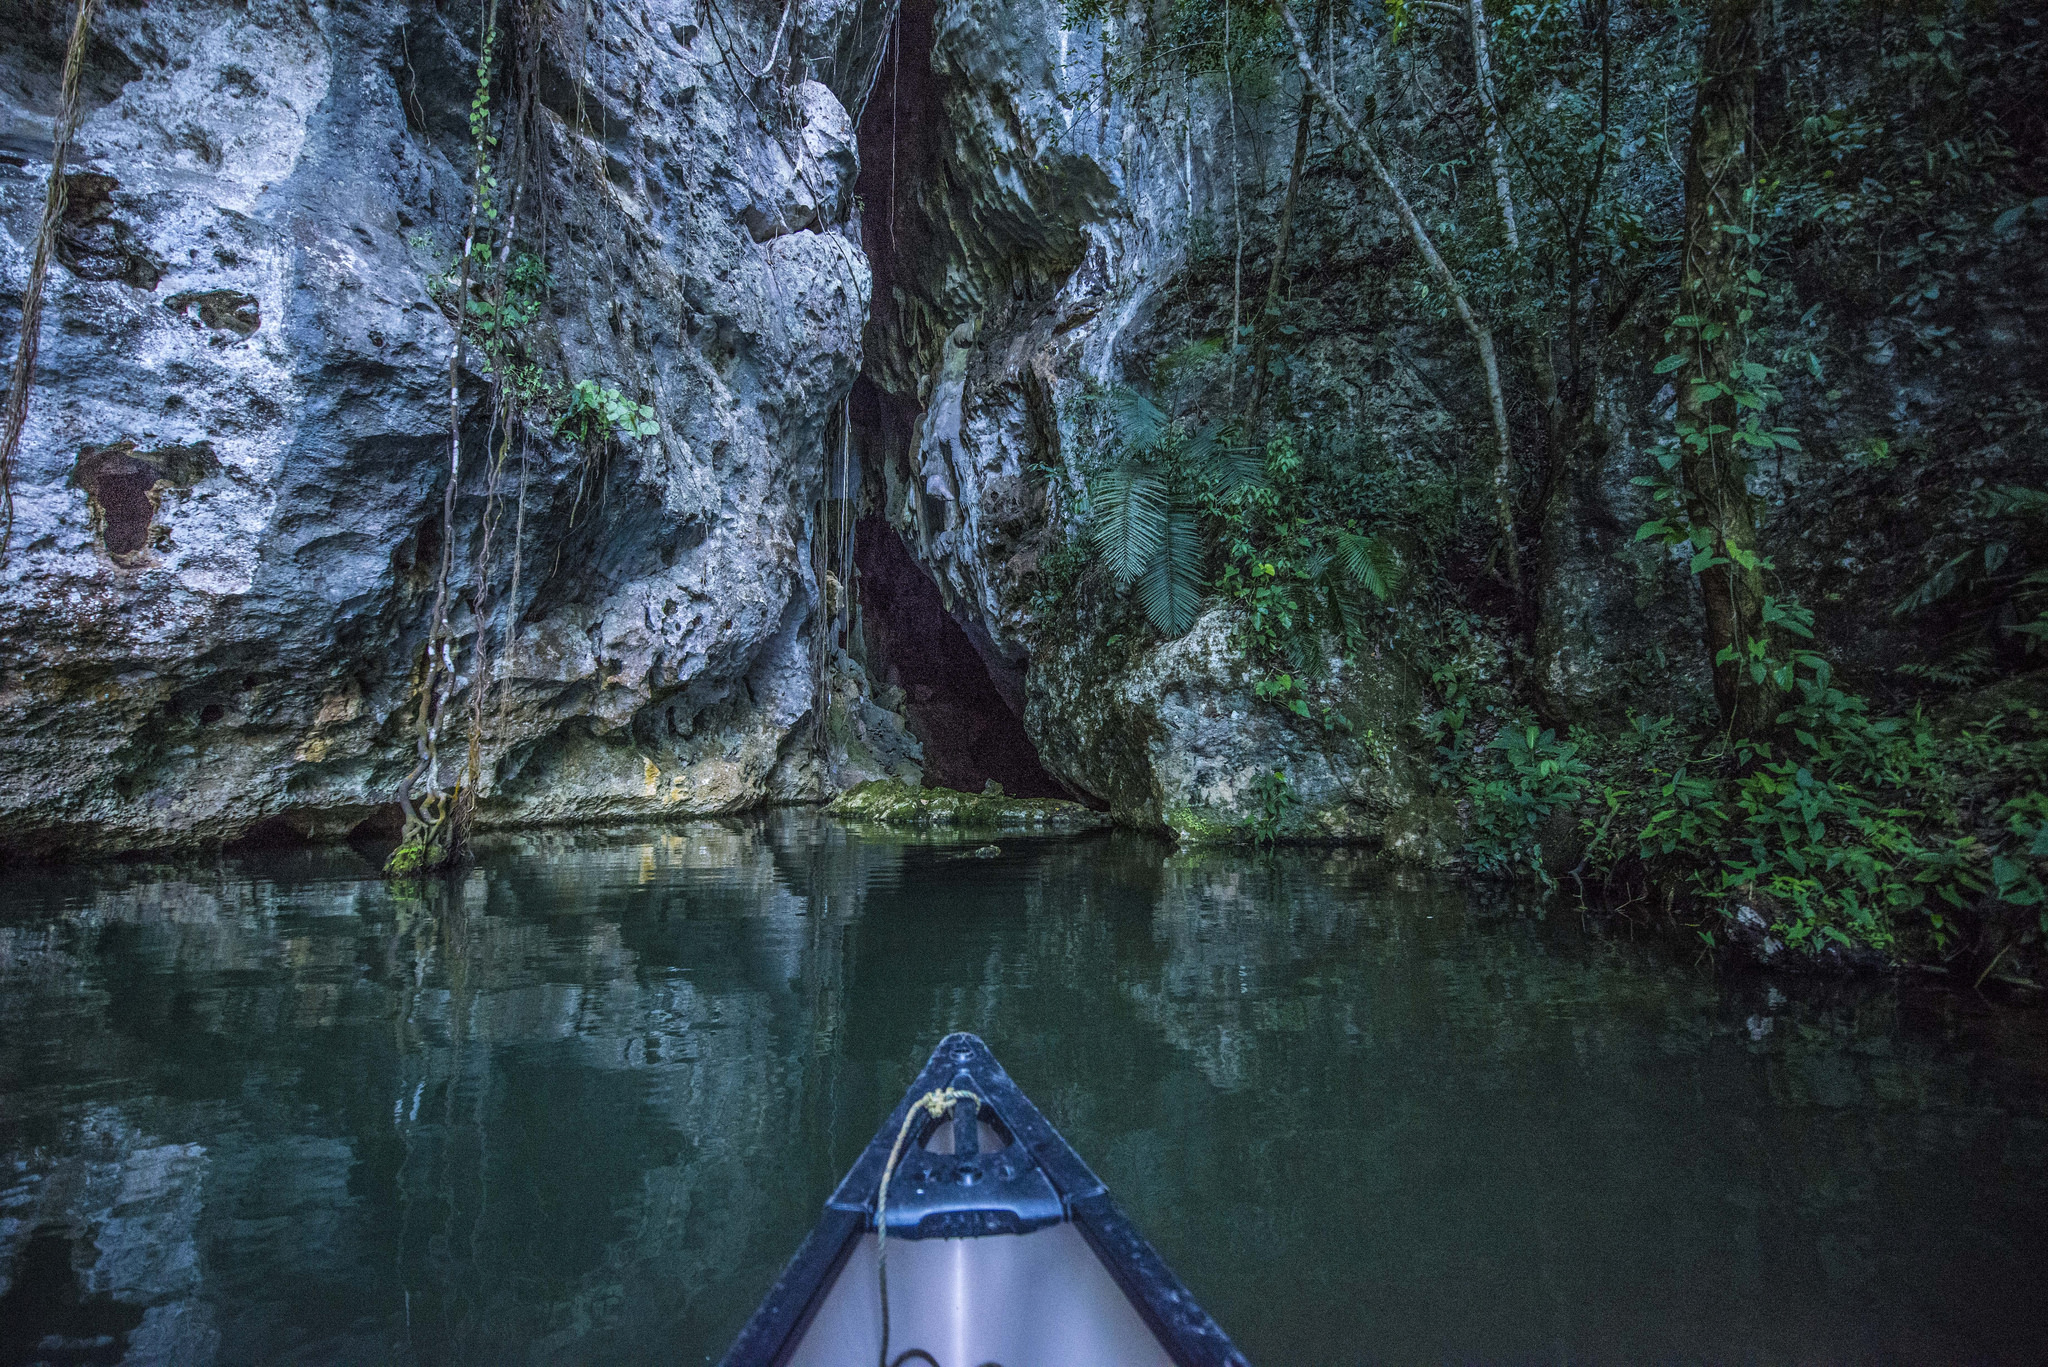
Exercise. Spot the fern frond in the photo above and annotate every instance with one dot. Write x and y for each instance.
(1934, 588)
(1962, 669)
(1225, 468)
(1128, 518)
(1171, 589)
(1140, 424)
(1370, 562)
(1348, 609)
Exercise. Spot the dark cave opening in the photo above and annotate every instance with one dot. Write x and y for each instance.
(970, 731)
(963, 702)
(899, 151)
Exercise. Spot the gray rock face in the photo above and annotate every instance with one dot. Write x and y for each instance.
(228, 497)
(1175, 737)
(1025, 276)
(228, 494)
(1057, 239)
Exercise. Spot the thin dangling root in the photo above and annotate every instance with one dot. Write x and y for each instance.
(39, 267)
(428, 844)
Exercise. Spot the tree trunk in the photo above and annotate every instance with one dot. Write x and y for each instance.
(1481, 331)
(1712, 305)
(1574, 439)
(1269, 315)
(1496, 145)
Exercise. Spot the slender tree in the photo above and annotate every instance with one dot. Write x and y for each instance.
(1269, 315)
(1480, 330)
(1714, 295)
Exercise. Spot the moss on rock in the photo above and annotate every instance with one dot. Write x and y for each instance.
(415, 858)
(891, 803)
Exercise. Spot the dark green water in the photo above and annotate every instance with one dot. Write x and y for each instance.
(581, 1108)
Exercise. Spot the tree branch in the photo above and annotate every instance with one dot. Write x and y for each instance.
(1482, 334)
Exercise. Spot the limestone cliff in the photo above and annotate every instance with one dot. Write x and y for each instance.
(228, 494)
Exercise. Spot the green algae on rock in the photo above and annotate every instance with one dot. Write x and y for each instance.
(890, 803)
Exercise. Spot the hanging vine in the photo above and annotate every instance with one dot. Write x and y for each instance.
(434, 819)
(24, 372)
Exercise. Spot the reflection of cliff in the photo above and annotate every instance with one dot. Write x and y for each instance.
(582, 1105)
(498, 1109)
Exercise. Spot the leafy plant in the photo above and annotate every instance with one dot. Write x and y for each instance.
(595, 411)
(1274, 793)
(1520, 780)
(2000, 578)
(1852, 829)
(497, 318)
(1143, 510)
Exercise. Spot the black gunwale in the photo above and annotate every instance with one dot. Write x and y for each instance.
(1191, 1338)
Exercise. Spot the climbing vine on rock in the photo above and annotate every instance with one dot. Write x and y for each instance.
(24, 372)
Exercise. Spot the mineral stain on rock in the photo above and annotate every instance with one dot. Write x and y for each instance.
(124, 486)
(95, 243)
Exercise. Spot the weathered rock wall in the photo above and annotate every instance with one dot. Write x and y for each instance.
(1023, 273)
(228, 494)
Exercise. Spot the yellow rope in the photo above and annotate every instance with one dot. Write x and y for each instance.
(933, 1104)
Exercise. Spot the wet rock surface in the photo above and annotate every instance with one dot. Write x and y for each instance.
(989, 359)
(890, 803)
(930, 234)
(1175, 737)
(228, 493)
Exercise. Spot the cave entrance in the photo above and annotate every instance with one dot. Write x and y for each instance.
(971, 731)
(962, 699)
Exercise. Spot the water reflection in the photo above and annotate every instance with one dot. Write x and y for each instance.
(579, 1106)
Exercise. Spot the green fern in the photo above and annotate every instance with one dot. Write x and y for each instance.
(2005, 594)
(1370, 562)
(1225, 468)
(1142, 512)
(1171, 589)
(1355, 565)
(1128, 508)
(1140, 424)
(1964, 668)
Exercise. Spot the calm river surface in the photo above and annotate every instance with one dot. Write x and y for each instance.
(580, 1108)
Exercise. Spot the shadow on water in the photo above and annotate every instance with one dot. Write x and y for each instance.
(45, 1317)
(580, 1105)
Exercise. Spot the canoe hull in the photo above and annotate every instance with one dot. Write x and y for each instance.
(1076, 1286)
(970, 1301)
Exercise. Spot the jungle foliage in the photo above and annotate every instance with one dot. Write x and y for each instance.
(1717, 219)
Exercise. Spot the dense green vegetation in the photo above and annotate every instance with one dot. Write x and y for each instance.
(1706, 251)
